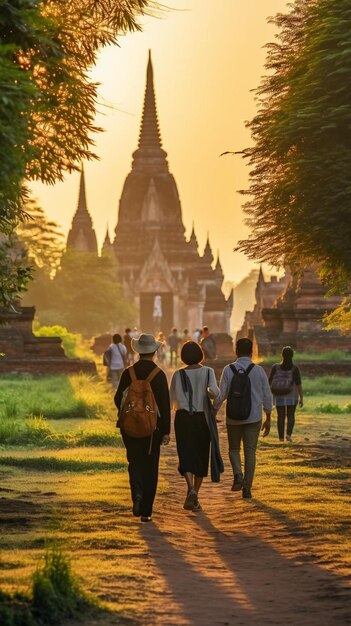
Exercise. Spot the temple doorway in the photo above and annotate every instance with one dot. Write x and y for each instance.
(147, 304)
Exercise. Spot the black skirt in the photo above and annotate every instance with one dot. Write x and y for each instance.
(193, 442)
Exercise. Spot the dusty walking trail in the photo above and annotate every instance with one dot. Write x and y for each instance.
(234, 562)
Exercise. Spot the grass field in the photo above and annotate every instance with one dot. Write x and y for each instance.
(64, 483)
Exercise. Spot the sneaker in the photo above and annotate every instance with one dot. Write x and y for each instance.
(136, 505)
(145, 518)
(190, 500)
(247, 492)
(237, 482)
(289, 438)
(197, 506)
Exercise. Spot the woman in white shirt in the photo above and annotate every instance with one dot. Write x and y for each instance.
(190, 389)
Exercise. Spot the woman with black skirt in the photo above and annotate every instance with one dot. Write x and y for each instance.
(190, 389)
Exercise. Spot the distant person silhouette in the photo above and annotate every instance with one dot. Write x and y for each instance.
(286, 387)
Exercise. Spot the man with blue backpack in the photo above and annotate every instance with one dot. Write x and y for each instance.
(245, 387)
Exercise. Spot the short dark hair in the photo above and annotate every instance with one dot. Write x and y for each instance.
(191, 353)
(205, 328)
(244, 347)
(174, 330)
(127, 330)
(117, 338)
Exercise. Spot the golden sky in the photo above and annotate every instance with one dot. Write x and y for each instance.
(208, 55)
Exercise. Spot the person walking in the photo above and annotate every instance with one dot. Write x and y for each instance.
(161, 352)
(127, 341)
(143, 452)
(245, 387)
(286, 386)
(185, 336)
(115, 358)
(191, 388)
(173, 342)
(208, 344)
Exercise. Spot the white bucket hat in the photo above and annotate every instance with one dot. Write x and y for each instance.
(146, 344)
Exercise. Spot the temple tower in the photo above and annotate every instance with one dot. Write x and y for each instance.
(82, 235)
(154, 257)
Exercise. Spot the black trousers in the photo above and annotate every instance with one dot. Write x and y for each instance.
(143, 469)
(286, 412)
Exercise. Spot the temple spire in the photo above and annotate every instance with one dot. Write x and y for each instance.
(208, 256)
(82, 235)
(82, 199)
(149, 131)
(149, 154)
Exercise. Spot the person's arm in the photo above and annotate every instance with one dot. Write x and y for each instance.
(212, 384)
(298, 383)
(160, 388)
(267, 403)
(172, 390)
(224, 386)
(123, 385)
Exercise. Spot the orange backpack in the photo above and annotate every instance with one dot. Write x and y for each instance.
(138, 413)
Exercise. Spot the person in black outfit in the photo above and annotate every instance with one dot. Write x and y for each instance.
(143, 462)
(286, 404)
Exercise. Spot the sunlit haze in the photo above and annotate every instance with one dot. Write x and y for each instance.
(207, 56)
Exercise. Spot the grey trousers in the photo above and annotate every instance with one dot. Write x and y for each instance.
(115, 377)
(248, 434)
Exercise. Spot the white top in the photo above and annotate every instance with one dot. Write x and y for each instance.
(198, 378)
(116, 356)
(261, 395)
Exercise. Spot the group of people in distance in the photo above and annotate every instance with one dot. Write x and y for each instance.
(144, 403)
(120, 353)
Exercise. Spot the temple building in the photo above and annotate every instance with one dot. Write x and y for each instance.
(294, 317)
(154, 257)
(162, 272)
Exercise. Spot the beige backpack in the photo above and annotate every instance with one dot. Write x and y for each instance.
(138, 413)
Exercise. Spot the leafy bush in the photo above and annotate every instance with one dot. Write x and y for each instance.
(73, 344)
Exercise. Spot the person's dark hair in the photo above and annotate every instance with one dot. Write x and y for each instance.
(127, 330)
(244, 347)
(185, 331)
(174, 330)
(287, 356)
(117, 338)
(205, 328)
(191, 353)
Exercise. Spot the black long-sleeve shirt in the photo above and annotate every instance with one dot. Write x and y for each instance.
(159, 386)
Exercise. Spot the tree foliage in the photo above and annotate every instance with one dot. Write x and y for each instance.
(299, 206)
(85, 296)
(47, 98)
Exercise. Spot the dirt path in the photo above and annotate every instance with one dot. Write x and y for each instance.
(233, 563)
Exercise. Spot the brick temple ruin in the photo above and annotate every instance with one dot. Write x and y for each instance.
(289, 311)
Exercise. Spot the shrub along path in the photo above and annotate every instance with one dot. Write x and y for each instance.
(281, 558)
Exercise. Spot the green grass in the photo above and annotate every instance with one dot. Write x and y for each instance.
(55, 596)
(54, 397)
(35, 431)
(53, 464)
(327, 385)
(331, 355)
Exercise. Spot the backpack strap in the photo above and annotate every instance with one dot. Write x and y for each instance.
(132, 373)
(247, 371)
(152, 374)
